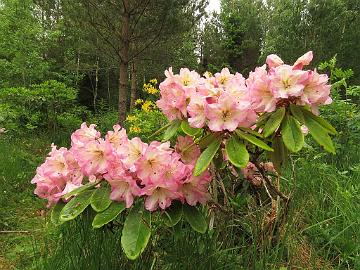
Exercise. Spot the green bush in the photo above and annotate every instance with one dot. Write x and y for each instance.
(50, 105)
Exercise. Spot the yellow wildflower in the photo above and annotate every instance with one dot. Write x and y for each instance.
(153, 81)
(152, 90)
(135, 129)
(148, 106)
(139, 101)
(131, 118)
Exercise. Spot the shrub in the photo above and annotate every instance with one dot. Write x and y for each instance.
(50, 105)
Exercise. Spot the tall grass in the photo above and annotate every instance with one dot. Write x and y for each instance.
(21, 214)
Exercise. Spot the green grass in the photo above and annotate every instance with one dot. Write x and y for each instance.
(321, 229)
(21, 213)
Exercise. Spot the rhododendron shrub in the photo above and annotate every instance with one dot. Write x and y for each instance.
(223, 122)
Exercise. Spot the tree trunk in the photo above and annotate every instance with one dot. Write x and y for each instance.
(124, 62)
(96, 83)
(133, 93)
(108, 88)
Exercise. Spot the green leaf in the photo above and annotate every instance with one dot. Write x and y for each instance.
(108, 215)
(273, 122)
(171, 130)
(252, 132)
(291, 134)
(188, 129)
(100, 200)
(173, 214)
(262, 119)
(79, 190)
(325, 124)
(136, 232)
(319, 133)
(279, 156)
(160, 130)
(76, 206)
(207, 140)
(296, 111)
(254, 140)
(206, 156)
(55, 213)
(195, 218)
(236, 152)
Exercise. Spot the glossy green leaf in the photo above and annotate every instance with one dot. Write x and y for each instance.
(188, 129)
(136, 232)
(262, 119)
(291, 134)
(173, 214)
(251, 131)
(206, 157)
(100, 199)
(207, 140)
(79, 190)
(171, 130)
(55, 213)
(108, 215)
(160, 130)
(325, 124)
(319, 133)
(296, 111)
(280, 154)
(254, 140)
(76, 206)
(236, 152)
(274, 122)
(195, 218)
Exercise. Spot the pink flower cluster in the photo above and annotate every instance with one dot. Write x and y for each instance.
(58, 175)
(131, 167)
(226, 101)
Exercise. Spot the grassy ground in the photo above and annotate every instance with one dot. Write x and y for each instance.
(322, 229)
(22, 215)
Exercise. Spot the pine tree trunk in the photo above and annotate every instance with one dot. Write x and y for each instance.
(133, 86)
(96, 83)
(124, 62)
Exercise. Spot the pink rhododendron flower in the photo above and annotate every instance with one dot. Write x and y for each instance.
(224, 115)
(84, 135)
(117, 137)
(196, 111)
(224, 77)
(273, 61)
(92, 158)
(56, 166)
(173, 101)
(286, 82)
(47, 188)
(57, 176)
(159, 195)
(123, 185)
(303, 60)
(316, 90)
(188, 78)
(150, 166)
(259, 86)
(132, 151)
(194, 189)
